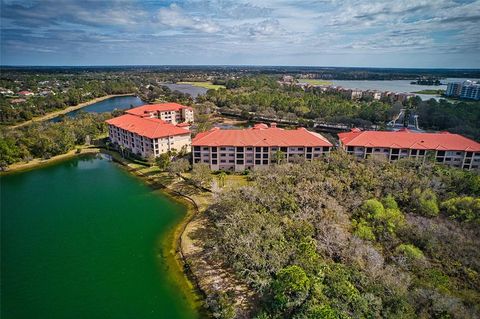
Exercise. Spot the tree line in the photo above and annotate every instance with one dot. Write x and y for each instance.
(352, 239)
(47, 139)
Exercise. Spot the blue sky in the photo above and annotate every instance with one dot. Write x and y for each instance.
(401, 33)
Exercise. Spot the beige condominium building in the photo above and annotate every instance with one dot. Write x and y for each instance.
(257, 147)
(443, 147)
(150, 130)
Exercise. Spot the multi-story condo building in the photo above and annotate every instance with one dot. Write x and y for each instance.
(470, 90)
(257, 147)
(464, 90)
(143, 133)
(169, 112)
(450, 149)
(454, 89)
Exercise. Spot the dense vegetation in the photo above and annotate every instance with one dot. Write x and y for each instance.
(59, 94)
(264, 96)
(47, 139)
(353, 239)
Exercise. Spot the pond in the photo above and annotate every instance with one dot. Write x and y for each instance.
(85, 239)
(108, 105)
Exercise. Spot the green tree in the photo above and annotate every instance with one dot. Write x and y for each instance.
(463, 208)
(290, 288)
(201, 175)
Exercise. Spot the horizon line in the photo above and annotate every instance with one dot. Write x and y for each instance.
(228, 65)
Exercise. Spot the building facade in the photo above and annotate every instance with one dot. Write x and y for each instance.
(143, 133)
(446, 148)
(257, 147)
(464, 90)
(169, 112)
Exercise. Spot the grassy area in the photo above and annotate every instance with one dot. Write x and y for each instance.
(315, 82)
(432, 92)
(206, 85)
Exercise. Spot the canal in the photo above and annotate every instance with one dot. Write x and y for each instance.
(85, 239)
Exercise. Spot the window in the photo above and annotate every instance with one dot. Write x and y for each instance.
(350, 149)
(258, 162)
(265, 155)
(214, 162)
(309, 149)
(258, 149)
(394, 157)
(395, 150)
(440, 153)
(223, 161)
(240, 162)
(214, 149)
(317, 149)
(369, 149)
(283, 149)
(309, 156)
(214, 155)
(239, 155)
(300, 149)
(223, 149)
(421, 152)
(265, 149)
(258, 155)
(240, 149)
(249, 161)
(197, 154)
(326, 148)
(205, 148)
(274, 149)
(265, 162)
(469, 154)
(231, 161)
(249, 148)
(223, 155)
(413, 152)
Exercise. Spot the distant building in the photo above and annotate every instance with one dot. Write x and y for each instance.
(470, 90)
(464, 90)
(169, 112)
(352, 94)
(4, 91)
(151, 130)
(372, 94)
(257, 147)
(446, 148)
(25, 93)
(454, 89)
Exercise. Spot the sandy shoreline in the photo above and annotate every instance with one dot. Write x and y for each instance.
(38, 162)
(67, 110)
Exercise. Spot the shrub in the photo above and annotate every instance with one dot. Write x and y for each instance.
(409, 251)
(465, 209)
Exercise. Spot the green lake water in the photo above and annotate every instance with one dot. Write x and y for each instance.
(80, 239)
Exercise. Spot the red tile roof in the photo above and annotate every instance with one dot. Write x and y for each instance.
(260, 135)
(145, 110)
(148, 127)
(409, 140)
(24, 92)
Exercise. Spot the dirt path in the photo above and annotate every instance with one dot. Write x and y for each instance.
(67, 110)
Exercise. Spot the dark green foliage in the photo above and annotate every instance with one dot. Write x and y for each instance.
(43, 140)
(339, 238)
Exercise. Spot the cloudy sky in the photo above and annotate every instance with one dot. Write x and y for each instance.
(400, 33)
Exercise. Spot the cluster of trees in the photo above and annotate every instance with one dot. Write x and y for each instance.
(46, 139)
(264, 96)
(353, 239)
(76, 90)
(460, 117)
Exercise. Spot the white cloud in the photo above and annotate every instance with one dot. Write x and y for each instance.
(174, 16)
